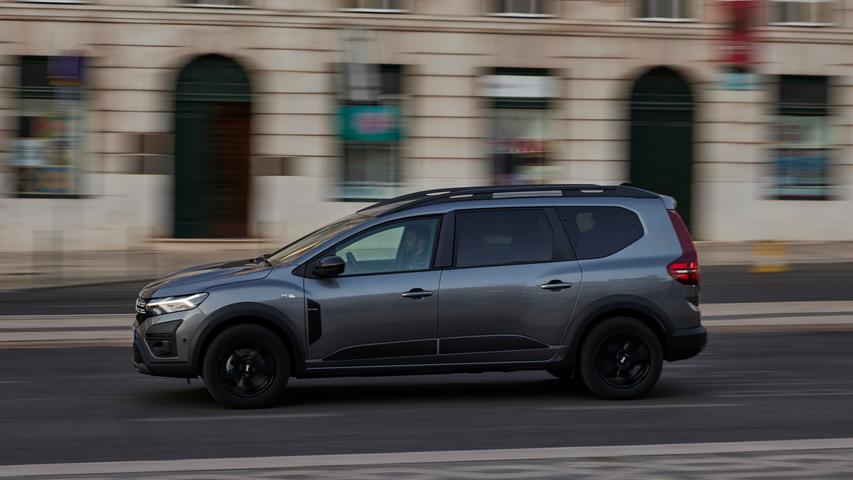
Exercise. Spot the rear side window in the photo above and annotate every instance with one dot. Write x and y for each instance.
(503, 237)
(597, 232)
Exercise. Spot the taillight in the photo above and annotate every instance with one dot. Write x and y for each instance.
(684, 269)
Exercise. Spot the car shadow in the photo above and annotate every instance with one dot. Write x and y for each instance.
(433, 390)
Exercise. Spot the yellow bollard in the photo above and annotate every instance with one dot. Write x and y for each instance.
(769, 257)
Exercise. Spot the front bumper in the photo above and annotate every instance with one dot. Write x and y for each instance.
(144, 361)
(687, 343)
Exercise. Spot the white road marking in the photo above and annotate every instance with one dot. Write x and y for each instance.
(649, 406)
(232, 417)
(303, 461)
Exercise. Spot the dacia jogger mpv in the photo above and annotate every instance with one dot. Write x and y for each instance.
(595, 284)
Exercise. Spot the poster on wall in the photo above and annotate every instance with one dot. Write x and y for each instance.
(49, 149)
(739, 45)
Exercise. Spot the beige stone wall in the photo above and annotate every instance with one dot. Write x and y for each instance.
(289, 46)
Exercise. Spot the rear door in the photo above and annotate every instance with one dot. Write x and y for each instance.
(511, 289)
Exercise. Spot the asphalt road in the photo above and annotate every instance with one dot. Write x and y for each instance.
(730, 284)
(86, 404)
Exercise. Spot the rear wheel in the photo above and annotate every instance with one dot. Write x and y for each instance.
(246, 366)
(620, 359)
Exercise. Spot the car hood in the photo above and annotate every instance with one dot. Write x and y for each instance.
(199, 278)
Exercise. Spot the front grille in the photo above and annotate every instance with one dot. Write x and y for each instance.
(141, 312)
(140, 304)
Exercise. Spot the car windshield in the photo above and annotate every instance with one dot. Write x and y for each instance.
(311, 240)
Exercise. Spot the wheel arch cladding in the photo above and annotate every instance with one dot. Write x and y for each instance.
(257, 314)
(600, 311)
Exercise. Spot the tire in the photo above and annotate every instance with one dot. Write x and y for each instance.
(246, 366)
(621, 359)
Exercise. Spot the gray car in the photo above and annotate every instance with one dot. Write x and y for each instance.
(595, 284)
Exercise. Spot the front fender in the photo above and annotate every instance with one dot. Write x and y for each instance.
(262, 314)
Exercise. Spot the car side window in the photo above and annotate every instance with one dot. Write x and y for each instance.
(598, 232)
(503, 237)
(396, 247)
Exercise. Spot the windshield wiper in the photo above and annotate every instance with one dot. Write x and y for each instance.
(263, 258)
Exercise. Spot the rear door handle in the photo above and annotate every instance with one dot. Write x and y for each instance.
(555, 285)
(416, 293)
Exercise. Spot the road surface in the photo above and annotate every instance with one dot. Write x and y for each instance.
(87, 405)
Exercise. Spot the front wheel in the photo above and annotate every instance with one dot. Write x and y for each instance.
(621, 359)
(246, 366)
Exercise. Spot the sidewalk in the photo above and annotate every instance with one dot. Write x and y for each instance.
(830, 458)
(45, 269)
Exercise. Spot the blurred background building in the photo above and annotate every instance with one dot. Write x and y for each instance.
(127, 121)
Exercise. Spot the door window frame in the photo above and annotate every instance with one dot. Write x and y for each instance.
(562, 250)
(306, 268)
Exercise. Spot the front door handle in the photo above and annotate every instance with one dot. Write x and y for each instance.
(416, 293)
(555, 285)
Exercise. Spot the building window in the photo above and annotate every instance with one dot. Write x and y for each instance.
(521, 7)
(520, 130)
(802, 12)
(803, 150)
(370, 126)
(664, 10)
(49, 149)
(216, 3)
(377, 5)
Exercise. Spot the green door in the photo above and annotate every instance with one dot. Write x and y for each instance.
(661, 149)
(212, 129)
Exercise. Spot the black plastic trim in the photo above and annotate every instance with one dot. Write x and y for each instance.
(487, 343)
(315, 325)
(684, 344)
(446, 241)
(385, 350)
(441, 195)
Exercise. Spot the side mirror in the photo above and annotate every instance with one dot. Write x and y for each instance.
(331, 266)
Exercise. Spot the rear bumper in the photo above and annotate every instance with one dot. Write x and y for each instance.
(687, 343)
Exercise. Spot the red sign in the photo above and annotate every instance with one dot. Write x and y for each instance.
(739, 41)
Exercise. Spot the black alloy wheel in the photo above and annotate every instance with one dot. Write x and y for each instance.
(621, 358)
(246, 366)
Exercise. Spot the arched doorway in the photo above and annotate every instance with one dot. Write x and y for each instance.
(212, 129)
(661, 149)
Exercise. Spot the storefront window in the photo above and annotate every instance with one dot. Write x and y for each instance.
(370, 118)
(803, 152)
(49, 149)
(519, 139)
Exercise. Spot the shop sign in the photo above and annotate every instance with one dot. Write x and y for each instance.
(519, 86)
(370, 123)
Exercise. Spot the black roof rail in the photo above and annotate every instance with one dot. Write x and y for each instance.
(441, 195)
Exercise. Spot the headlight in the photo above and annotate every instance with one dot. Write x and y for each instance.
(160, 306)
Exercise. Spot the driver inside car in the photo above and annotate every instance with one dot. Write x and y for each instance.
(414, 248)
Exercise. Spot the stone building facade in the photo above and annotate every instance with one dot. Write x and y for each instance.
(123, 121)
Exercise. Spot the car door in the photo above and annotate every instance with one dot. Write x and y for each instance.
(383, 308)
(511, 290)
